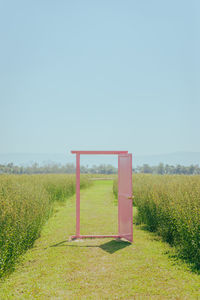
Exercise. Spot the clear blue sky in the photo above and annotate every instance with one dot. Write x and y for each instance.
(99, 75)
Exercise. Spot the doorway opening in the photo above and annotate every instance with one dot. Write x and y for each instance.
(125, 210)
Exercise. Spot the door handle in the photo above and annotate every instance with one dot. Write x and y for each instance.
(131, 197)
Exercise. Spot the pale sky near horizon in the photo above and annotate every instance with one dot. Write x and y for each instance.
(99, 75)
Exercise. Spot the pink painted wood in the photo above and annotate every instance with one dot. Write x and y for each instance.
(125, 206)
(125, 213)
(98, 152)
(94, 236)
(77, 194)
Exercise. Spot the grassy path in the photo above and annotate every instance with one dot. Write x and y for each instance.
(99, 268)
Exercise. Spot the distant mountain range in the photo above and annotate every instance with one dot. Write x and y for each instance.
(182, 158)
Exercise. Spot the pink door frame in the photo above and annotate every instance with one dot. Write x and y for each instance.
(78, 153)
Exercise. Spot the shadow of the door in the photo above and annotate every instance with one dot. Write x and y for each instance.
(113, 246)
(110, 247)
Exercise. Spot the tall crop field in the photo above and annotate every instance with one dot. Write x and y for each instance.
(170, 206)
(26, 203)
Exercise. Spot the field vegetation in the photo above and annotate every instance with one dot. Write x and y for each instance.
(58, 268)
(170, 206)
(26, 202)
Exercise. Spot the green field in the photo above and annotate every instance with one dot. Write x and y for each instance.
(26, 202)
(170, 206)
(56, 268)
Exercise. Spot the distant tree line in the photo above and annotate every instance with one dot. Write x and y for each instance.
(70, 168)
(55, 168)
(168, 169)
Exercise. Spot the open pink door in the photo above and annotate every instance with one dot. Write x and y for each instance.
(125, 207)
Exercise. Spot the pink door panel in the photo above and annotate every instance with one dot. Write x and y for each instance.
(125, 207)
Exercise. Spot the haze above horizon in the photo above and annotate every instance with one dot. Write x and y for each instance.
(99, 75)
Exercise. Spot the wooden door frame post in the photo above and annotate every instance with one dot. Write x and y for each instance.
(77, 195)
